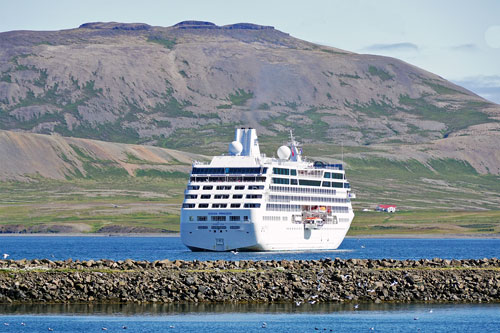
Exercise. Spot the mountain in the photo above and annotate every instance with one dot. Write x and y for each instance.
(27, 156)
(187, 87)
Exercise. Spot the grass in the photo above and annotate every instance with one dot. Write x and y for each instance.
(310, 132)
(149, 202)
(426, 222)
(205, 139)
(165, 42)
(383, 75)
(373, 109)
(454, 120)
(442, 90)
(444, 184)
(240, 97)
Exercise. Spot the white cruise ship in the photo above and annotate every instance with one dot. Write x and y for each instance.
(249, 202)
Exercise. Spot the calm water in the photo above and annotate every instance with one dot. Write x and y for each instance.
(154, 248)
(383, 318)
(247, 318)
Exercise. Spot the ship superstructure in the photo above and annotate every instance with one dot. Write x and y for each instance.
(251, 202)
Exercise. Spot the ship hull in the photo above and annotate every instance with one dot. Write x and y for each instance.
(263, 236)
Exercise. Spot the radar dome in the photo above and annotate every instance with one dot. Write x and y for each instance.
(284, 152)
(235, 148)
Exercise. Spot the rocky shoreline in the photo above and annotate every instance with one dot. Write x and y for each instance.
(299, 281)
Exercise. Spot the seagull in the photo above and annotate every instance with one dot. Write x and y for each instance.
(23, 324)
(314, 296)
(298, 303)
(6, 324)
(50, 329)
(416, 318)
(371, 290)
(362, 246)
(312, 302)
(104, 329)
(430, 311)
(124, 327)
(172, 326)
(356, 306)
(6, 255)
(394, 283)
(264, 325)
(234, 252)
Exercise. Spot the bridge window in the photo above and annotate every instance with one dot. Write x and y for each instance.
(218, 218)
(281, 181)
(281, 171)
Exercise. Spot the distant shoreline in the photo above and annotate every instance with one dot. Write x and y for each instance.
(176, 234)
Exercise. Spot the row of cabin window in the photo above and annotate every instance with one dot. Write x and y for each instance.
(219, 218)
(230, 171)
(314, 173)
(302, 190)
(221, 205)
(223, 196)
(230, 179)
(283, 208)
(288, 198)
(298, 208)
(307, 182)
(275, 218)
(225, 187)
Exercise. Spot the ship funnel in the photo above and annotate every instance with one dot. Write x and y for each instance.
(247, 137)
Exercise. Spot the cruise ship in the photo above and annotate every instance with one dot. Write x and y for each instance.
(246, 201)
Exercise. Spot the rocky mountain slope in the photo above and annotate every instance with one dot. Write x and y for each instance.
(187, 86)
(26, 156)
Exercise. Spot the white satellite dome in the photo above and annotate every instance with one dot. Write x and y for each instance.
(284, 152)
(235, 148)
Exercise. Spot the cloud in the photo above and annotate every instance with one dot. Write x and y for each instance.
(465, 47)
(399, 47)
(486, 86)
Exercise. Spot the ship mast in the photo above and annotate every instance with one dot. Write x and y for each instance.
(296, 150)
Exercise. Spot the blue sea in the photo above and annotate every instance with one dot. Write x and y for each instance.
(157, 248)
(246, 318)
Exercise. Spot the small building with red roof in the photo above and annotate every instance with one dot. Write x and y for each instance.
(387, 208)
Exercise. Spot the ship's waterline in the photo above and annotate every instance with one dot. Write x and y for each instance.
(247, 201)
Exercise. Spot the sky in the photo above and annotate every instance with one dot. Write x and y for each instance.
(458, 40)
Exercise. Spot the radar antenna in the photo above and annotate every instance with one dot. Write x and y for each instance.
(295, 148)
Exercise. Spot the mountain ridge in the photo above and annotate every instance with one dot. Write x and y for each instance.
(187, 86)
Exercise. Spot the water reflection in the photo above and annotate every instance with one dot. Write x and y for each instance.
(175, 309)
